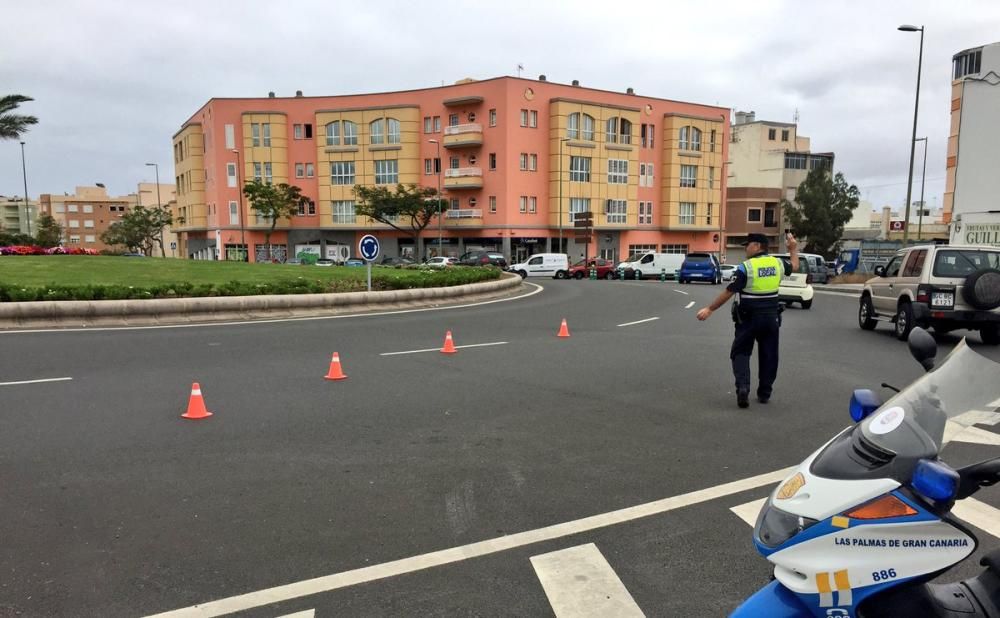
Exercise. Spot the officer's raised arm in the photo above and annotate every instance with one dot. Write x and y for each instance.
(793, 251)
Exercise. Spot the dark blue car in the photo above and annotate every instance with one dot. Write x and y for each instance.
(700, 267)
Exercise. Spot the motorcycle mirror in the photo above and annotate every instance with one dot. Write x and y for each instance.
(923, 348)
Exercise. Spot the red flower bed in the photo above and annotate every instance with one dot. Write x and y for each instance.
(36, 250)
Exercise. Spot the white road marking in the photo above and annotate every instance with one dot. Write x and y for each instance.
(854, 295)
(34, 381)
(682, 292)
(473, 550)
(579, 583)
(538, 288)
(979, 514)
(638, 322)
(689, 305)
(458, 347)
(748, 512)
(971, 435)
(309, 613)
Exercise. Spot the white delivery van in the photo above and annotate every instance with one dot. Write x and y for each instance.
(652, 264)
(555, 265)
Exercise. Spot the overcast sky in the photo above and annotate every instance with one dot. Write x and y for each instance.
(113, 80)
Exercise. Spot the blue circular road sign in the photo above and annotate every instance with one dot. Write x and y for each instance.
(368, 247)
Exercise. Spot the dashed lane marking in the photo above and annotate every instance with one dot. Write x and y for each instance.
(689, 305)
(458, 347)
(638, 322)
(35, 381)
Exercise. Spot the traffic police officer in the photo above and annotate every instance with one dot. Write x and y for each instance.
(756, 314)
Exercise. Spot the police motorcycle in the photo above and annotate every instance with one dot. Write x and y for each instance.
(864, 524)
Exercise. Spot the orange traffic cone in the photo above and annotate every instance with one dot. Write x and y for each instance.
(449, 344)
(563, 330)
(335, 373)
(196, 405)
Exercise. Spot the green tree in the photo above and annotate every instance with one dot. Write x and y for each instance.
(274, 202)
(408, 208)
(823, 205)
(13, 125)
(49, 232)
(139, 229)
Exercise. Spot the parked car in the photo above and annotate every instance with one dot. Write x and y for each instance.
(728, 270)
(555, 265)
(354, 261)
(796, 287)
(700, 267)
(395, 261)
(483, 258)
(441, 262)
(324, 262)
(943, 286)
(817, 267)
(651, 264)
(605, 269)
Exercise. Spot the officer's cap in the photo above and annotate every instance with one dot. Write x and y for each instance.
(758, 238)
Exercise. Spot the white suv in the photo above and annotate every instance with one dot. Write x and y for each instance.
(944, 286)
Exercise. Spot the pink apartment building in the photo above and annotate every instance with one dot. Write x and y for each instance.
(517, 161)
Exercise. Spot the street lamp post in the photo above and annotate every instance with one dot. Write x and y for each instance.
(923, 177)
(564, 139)
(913, 140)
(239, 189)
(159, 204)
(27, 209)
(437, 162)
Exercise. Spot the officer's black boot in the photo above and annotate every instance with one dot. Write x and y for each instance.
(743, 397)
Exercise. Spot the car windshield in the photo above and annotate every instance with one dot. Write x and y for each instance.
(635, 257)
(697, 259)
(954, 391)
(963, 262)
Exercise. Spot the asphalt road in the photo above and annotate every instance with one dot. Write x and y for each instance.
(114, 506)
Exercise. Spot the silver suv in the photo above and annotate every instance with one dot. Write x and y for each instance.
(944, 286)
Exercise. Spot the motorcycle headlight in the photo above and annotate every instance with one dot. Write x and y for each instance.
(775, 526)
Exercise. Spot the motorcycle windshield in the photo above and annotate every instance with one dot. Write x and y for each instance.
(961, 390)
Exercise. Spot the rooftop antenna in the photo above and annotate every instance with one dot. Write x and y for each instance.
(520, 67)
(795, 118)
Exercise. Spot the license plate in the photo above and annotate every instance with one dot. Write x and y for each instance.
(942, 299)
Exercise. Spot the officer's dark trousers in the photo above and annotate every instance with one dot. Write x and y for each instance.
(762, 328)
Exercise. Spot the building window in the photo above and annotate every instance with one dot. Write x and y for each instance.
(437, 165)
(573, 126)
(334, 130)
(753, 215)
(230, 137)
(493, 117)
(784, 135)
(618, 171)
(523, 204)
(300, 170)
(524, 117)
(795, 161)
(428, 126)
(708, 216)
(342, 173)
(578, 205)
(453, 120)
(649, 175)
(534, 119)
(493, 160)
(60, 208)
(689, 175)
(645, 213)
(90, 238)
(690, 138)
(579, 169)
(437, 124)
(642, 174)
(74, 223)
(687, 213)
(234, 213)
(268, 177)
(677, 249)
(711, 141)
(310, 170)
(580, 126)
(74, 240)
(533, 205)
(267, 133)
(454, 205)
(258, 173)
(309, 130)
(493, 204)
(770, 220)
(88, 208)
(88, 223)
(524, 161)
(376, 132)
(387, 172)
(255, 134)
(453, 163)
(343, 211)
(819, 162)
(967, 64)
(642, 138)
(616, 211)
(231, 175)
(711, 178)
(533, 162)
(771, 134)
(619, 131)
(297, 131)
(428, 167)
(394, 135)
(73, 208)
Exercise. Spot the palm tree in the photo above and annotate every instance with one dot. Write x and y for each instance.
(13, 125)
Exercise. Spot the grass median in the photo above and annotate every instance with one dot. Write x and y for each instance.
(65, 277)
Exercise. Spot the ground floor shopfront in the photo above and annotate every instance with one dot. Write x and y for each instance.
(515, 244)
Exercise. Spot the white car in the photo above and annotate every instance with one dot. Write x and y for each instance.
(796, 287)
(728, 272)
(441, 262)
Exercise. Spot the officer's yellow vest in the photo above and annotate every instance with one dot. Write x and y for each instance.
(763, 276)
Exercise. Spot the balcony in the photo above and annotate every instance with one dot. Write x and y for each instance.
(463, 178)
(464, 213)
(463, 136)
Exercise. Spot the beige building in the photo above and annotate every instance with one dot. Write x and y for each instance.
(85, 214)
(149, 198)
(14, 218)
(767, 163)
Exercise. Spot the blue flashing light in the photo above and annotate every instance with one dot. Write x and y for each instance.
(863, 403)
(935, 480)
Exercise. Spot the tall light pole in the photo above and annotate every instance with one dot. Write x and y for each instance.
(437, 163)
(159, 204)
(923, 177)
(27, 209)
(913, 139)
(561, 140)
(239, 190)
